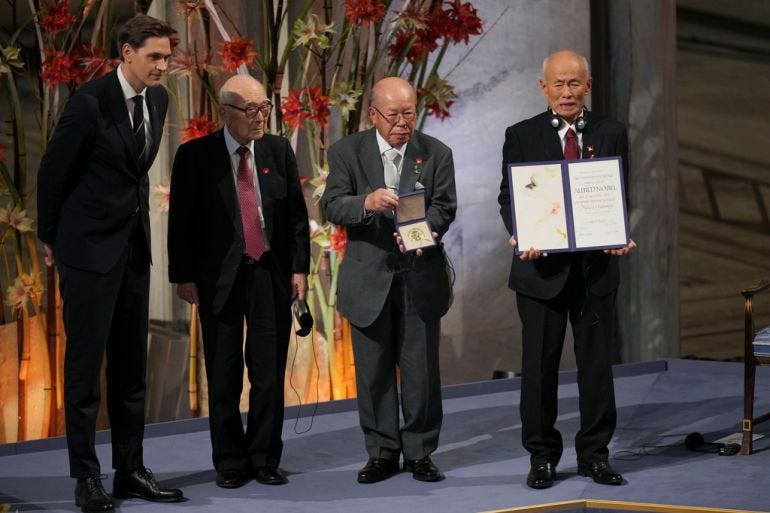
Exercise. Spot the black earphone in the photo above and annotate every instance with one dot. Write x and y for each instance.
(580, 124)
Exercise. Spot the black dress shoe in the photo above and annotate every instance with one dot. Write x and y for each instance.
(91, 496)
(541, 475)
(600, 471)
(269, 476)
(141, 484)
(423, 470)
(377, 469)
(234, 478)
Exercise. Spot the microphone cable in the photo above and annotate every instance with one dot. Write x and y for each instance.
(294, 389)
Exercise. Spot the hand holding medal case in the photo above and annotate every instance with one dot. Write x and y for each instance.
(411, 223)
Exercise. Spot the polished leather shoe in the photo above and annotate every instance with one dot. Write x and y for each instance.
(377, 469)
(91, 496)
(600, 471)
(423, 470)
(269, 476)
(541, 475)
(141, 484)
(234, 478)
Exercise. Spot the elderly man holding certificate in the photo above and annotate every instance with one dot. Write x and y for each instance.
(562, 200)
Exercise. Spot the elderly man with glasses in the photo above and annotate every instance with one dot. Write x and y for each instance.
(394, 301)
(239, 248)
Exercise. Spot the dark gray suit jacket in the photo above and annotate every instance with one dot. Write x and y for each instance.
(355, 170)
(535, 140)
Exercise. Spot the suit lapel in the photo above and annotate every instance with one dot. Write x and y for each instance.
(156, 130)
(412, 168)
(266, 170)
(592, 140)
(370, 161)
(118, 111)
(551, 142)
(225, 183)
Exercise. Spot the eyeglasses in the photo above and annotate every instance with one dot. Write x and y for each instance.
(252, 110)
(392, 119)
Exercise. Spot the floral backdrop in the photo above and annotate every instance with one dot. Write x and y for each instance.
(318, 61)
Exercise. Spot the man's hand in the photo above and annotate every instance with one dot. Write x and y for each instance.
(188, 292)
(299, 286)
(529, 254)
(380, 200)
(401, 246)
(50, 261)
(622, 251)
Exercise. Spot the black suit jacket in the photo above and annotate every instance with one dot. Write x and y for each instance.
(535, 140)
(92, 190)
(205, 233)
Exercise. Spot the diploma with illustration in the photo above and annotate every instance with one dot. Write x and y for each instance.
(575, 205)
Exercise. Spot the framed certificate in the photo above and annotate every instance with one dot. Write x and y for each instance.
(411, 223)
(575, 205)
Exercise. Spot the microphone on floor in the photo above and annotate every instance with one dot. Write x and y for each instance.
(697, 443)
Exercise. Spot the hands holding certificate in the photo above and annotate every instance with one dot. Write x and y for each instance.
(532, 253)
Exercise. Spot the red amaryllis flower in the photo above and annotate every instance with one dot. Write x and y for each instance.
(237, 51)
(57, 16)
(462, 21)
(57, 67)
(197, 126)
(364, 12)
(417, 45)
(437, 96)
(293, 113)
(319, 106)
(90, 62)
(338, 239)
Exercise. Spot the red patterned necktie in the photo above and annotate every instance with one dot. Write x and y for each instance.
(247, 197)
(571, 150)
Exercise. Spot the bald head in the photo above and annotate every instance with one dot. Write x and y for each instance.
(244, 108)
(568, 55)
(393, 110)
(566, 83)
(392, 87)
(239, 86)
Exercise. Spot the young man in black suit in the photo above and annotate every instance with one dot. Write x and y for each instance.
(239, 247)
(93, 217)
(578, 286)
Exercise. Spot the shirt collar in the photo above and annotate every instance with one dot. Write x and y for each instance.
(385, 145)
(128, 91)
(233, 145)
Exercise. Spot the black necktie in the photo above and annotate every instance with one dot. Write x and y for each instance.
(138, 126)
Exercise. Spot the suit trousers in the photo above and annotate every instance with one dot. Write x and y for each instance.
(261, 296)
(543, 329)
(106, 313)
(398, 338)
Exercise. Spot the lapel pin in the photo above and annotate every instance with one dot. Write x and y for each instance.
(265, 170)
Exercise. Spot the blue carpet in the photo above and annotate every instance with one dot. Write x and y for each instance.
(480, 452)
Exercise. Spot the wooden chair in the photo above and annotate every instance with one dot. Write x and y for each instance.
(750, 363)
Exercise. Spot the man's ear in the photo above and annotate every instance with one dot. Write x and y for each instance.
(589, 84)
(542, 87)
(126, 51)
